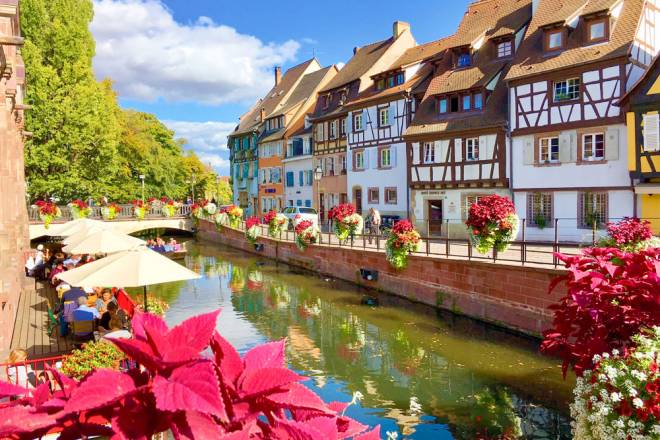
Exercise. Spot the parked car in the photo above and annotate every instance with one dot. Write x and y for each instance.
(305, 213)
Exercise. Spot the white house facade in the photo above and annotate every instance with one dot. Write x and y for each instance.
(298, 171)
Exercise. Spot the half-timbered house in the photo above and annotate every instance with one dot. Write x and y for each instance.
(457, 142)
(569, 168)
(642, 104)
(377, 168)
(330, 116)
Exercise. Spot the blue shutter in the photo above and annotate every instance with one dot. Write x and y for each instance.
(301, 178)
(298, 202)
(289, 178)
(308, 203)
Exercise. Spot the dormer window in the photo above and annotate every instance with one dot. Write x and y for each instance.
(464, 60)
(327, 100)
(597, 29)
(555, 39)
(390, 81)
(504, 49)
(461, 103)
(380, 84)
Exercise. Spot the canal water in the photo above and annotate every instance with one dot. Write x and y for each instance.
(424, 374)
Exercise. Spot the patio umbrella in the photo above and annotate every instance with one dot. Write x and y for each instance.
(103, 242)
(74, 226)
(83, 233)
(132, 268)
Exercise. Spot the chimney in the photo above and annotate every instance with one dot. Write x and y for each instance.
(263, 114)
(278, 74)
(355, 49)
(399, 27)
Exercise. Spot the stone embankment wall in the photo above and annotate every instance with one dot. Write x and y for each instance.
(13, 213)
(511, 296)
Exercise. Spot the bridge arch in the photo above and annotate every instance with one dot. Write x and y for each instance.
(132, 226)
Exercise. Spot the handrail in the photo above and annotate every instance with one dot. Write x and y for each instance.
(126, 212)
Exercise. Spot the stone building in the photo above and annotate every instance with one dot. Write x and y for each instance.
(13, 213)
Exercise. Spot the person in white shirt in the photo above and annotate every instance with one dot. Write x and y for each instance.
(20, 373)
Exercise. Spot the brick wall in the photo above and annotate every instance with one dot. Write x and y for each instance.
(13, 213)
(515, 297)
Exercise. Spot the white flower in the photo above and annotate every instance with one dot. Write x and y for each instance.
(616, 397)
(392, 435)
(632, 392)
(615, 352)
(638, 403)
(606, 355)
(619, 423)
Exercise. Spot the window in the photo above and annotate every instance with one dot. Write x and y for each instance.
(593, 147)
(373, 195)
(307, 147)
(380, 85)
(308, 204)
(442, 105)
(400, 78)
(463, 60)
(504, 49)
(598, 30)
(357, 122)
(342, 127)
(330, 166)
(549, 150)
(384, 116)
(567, 90)
(333, 129)
(289, 203)
(298, 202)
(309, 177)
(651, 132)
(592, 209)
(390, 196)
(301, 178)
(358, 163)
(275, 175)
(466, 102)
(327, 101)
(453, 104)
(539, 210)
(390, 82)
(319, 131)
(342, 161)
(478, 101)
(472, 149)
(555, 39)
(289, 179)
(429, 152)
(385, 158)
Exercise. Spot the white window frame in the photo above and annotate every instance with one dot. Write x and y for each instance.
(333, 129)
(600, 24)
(385, 152)
(319, 131)
(359, 160)
(384, 121)
(561, 40)
(572, 88)
(429, 153)
(342, 127)
(504, 49)
(472, 149)
(593, 156)
(549, 151)
(357, 122)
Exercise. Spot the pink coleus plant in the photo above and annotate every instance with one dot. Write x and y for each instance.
(183, 388)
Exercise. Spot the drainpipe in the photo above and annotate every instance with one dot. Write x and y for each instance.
(408, 101)
(510, 160)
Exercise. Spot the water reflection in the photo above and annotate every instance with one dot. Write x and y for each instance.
(424, 374)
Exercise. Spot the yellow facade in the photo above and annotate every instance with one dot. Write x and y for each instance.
(650, 209)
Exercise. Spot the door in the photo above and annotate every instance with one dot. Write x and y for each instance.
(357, 198)
(322, 207)
(435, 217)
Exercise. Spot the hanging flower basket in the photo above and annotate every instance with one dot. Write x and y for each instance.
(276, 223)
(79, 209)
(139, 210)
(234, 214)
(493, 223)
(306, 233)
(210, 208)
(169, 208)
(110, 212)
(48, 211)
(403, 240)
(221, 219)
(252, 229)
(346, 222)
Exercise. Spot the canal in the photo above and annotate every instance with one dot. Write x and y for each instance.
(423, 373)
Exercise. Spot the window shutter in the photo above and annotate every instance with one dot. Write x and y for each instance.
(485, 148)
(458, 150)
(528, 150)
(374, 156)
(441, 151)
(391, 113)
(393, 149)
(301, 178)
(612, 144)
(652, 132)
(530, 209)
(349, 123)
(565, 147)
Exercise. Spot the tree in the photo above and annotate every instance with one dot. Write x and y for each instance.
(74, 119)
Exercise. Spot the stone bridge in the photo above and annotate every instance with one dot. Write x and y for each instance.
(125, 221)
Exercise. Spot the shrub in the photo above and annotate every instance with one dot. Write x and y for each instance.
(620, 398)
(493, 223)
(630, 235)
(93, 356)
(178, 389)
(611, 295)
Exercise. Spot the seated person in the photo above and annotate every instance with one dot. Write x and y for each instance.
(116, 330)
(82, 306)
(73, 260)
(21, 374)
(73, 294)
(106, 298)
(113, 311)
(59, 268)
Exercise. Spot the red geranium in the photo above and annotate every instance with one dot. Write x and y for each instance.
(492, 209)
(630, 231)
(80, 204)
(46, 207)
(340, 211)
(269, 217)
(251, 221)
(301, 226)
(137, 203)
(402, 226)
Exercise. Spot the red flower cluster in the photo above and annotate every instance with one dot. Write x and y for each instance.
(251, 221)
(488, 210)
(80, 204)
(402, 226)
(269, 217)
(138, 203)
(114, 206)
(163, 199)
(630, 231)
(301, 226)
(150, 200)
(340, 211)
(611, 296)
(46, 207)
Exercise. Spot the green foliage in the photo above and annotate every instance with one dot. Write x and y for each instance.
(83, 143)
(91, 357)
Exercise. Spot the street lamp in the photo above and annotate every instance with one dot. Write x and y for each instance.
(318, 173)
(141, 176)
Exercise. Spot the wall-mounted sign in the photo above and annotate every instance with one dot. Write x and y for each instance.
(270, 190)
(433, 193)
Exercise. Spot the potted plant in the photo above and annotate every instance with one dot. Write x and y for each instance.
(402, 240)
(79, 209)
(110, 212)
(275, 222)
(306, 233)
(91, 357)
(139, 210)
(346, 222)
(493, 223)
(48, 211)
(252, 229)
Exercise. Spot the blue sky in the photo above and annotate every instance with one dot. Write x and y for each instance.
(199, 64)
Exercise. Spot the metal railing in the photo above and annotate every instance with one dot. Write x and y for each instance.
(28, 374)
(126, 213)
(525, 250)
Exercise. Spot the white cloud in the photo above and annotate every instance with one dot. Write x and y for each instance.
(149, 55)
(207, 139)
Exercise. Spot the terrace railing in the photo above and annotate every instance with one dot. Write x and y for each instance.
(125, 213)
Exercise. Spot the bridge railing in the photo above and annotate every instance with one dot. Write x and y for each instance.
(125, 213)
